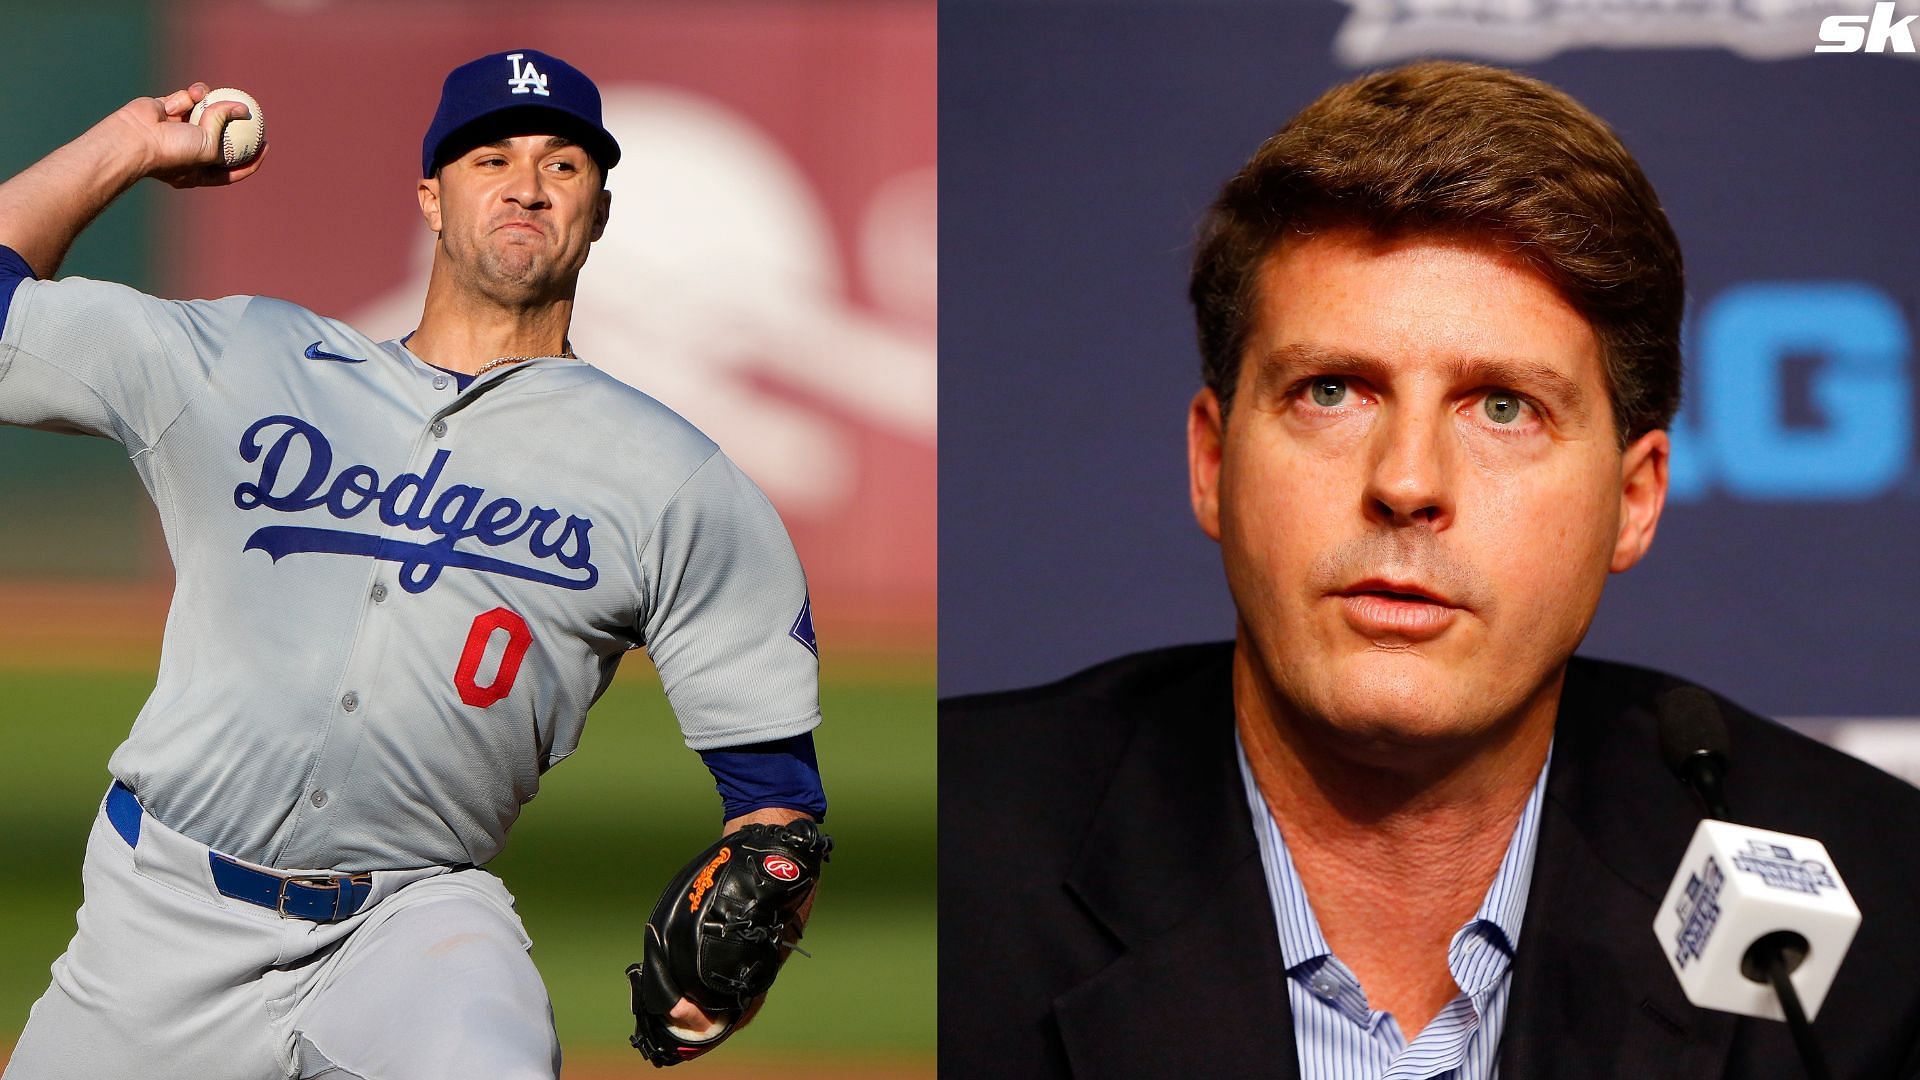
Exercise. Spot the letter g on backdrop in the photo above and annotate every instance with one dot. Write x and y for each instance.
(1735, 437)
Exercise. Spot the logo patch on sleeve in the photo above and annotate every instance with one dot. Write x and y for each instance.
(802, 629)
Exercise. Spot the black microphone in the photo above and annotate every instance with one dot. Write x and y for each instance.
(1750, 910)
(1693, 739)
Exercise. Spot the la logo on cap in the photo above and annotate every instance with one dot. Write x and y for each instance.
(526, 78)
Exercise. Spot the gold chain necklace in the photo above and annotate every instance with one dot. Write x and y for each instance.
(565, 354)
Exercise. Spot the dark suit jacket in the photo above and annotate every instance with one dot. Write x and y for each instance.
(1103, 912)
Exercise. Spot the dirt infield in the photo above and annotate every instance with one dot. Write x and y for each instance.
(116, 626)
(720, 1067)
(91, 626)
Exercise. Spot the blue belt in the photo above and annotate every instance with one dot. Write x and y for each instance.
(313, 897)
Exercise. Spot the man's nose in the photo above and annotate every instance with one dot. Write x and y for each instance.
(1409, 474)
(526, 187)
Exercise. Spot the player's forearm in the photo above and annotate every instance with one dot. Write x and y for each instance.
(44, 208)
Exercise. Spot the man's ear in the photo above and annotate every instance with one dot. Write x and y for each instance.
(429, 193)
(1643, 493)
(602, 211)
(1205, 436)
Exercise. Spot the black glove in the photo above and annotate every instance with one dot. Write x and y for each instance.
(720, 932)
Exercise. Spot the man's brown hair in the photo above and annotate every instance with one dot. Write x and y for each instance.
(1469, 150)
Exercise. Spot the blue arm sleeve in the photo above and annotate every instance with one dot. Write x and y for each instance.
(13, 271)
(782, 773)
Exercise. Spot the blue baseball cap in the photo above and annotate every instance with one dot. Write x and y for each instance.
(524, 92)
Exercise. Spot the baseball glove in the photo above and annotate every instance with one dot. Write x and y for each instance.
(720, 932)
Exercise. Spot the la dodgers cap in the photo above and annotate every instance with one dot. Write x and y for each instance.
(523, 92)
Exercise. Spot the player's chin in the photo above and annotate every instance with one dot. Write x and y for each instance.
(512, 253)
(516, 274)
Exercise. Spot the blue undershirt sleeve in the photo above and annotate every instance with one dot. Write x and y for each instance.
(783, 773)
(13, 271)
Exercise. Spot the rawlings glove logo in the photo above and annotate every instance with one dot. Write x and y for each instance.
(704, 880)
(460, 512)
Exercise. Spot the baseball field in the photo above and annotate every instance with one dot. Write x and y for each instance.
(585, 861)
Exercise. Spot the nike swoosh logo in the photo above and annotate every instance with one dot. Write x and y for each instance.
(315, 352)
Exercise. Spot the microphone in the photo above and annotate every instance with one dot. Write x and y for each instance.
(1693, 740)
(1756, 922)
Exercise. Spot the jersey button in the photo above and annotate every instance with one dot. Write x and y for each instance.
(318, 799)
(439, 382)
(379, 594)
(350, 702)
(439, 429)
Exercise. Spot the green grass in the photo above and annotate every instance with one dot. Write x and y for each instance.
(586, 860)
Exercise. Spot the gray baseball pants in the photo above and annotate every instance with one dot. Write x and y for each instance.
(167, 977)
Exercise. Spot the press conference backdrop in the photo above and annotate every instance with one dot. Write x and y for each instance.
(1083, 142)
(769, 272)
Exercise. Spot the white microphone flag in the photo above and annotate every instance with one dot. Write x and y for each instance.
(1736, 885)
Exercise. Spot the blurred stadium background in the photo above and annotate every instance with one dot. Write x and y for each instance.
(1786, 573)
(770, 272)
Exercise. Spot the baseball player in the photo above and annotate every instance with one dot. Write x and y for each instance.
(404, 570)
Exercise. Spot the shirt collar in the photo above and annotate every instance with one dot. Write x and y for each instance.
(1498, 919)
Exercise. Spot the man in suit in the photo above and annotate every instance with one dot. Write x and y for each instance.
(1395, 829)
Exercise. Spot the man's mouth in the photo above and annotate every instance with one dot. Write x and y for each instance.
(1396, 610)
(1409, 592)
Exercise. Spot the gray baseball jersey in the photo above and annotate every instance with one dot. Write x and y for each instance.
(394, 600)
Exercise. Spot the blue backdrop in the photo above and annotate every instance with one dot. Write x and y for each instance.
(1080, 144)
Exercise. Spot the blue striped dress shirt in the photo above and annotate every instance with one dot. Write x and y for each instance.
(1337, 1035)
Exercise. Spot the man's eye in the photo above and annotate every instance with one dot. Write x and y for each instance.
(1328, 392)
(1503, 409)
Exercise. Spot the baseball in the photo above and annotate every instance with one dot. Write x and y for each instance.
(240, 140)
